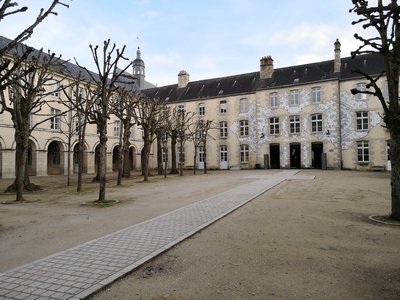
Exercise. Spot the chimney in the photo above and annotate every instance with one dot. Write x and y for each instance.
(183, 79)
(266, 67)
(337, 63)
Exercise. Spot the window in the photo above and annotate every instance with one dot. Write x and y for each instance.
(388, 150)
(244, 105)
(223, 153)
(30, 120)
(244, 153)
(294, 97)
(273, 100)
(181, 155)
(362, 120)
(132, 131)
(222, 107)
(274, 125)
(363, 151)
(55, 88)
(202, 109)
(316, 123)
(244, 128)
(294, 123)
(55, 121)
(201, 154)
(362, 86)
(223, 130)
(117, 128)
(316, 94)
(181, 109)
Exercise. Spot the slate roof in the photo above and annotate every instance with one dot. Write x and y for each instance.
(250, 82)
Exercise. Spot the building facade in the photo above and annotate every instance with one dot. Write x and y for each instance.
(302, 116)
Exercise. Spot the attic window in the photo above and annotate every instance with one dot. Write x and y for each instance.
(294, 72)
(187, 90)
(167, 99)
(170, 91)
(220, 92)
(296, 80)
(234, 83)
(365, 63)
(202, 88)
(218, 84)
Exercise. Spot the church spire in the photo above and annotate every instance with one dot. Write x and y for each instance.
(139, 68)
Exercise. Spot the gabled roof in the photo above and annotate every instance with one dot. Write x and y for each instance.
(250, 82)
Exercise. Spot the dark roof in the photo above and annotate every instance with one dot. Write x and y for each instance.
(251, 82)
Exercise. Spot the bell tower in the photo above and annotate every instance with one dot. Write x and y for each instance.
(139, 68)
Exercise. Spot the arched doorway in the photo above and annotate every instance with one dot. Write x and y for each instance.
(115, 158)
(132, 158)
(32, 158)
(55, 158)
(75, 159)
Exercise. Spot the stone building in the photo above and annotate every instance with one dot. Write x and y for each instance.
(301, 116)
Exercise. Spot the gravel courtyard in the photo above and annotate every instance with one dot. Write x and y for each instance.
(303, 239)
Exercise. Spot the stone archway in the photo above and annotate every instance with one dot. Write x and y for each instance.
(55, 158)
(32, 158)
(132, 158)
(75, 159)
(115, 158)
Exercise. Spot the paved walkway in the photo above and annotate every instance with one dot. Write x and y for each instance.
(81, 271)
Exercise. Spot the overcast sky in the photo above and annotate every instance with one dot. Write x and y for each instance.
(207, 38)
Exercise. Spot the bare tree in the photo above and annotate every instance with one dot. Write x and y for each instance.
(125, 103)
(8, 64)
(384, 19)
(105, 86)
(148, 115)
(180, 122)
(27, 95)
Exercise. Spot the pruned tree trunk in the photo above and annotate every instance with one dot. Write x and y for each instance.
(160, 168)
(102, 163)
(126, 168)
(194, 160)
(146, 152)
(395, 174)
(174, 169)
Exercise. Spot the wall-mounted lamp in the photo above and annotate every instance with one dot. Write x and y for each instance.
(262, 135)
(328, 132)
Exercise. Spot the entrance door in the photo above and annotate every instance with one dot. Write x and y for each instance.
(201, 158)
(223, 157)
(295, 159)
(275, 156)
(316, 155)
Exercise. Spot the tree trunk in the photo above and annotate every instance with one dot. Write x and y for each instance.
(126, 172)
(81, 155)
(395, 174)
(194, 160)
(102, 164)
(146, 152)
(174, 169)
(120, 164)
(181, 144)
(160, 167)
(205, 157)
(69, 160)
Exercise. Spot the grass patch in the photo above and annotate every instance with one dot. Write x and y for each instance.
(96, 203)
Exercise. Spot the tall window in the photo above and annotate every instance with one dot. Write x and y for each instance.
(388, 150)
(55, 88)
(274, 125)
(273, 100)
(294, 97)
(244, 153)
(132, 131)
(117, 128)
(223, 129)
(55, 121)
(223, 153)
(363, 151)
(201, 154)
(181, 109)
(222, 107)
(244, 105)
(294, 124)
(181, 155)
(316, 94)
(244, 128)
(202, 109)
(362, 86)
(362, 120)
(316, 123)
